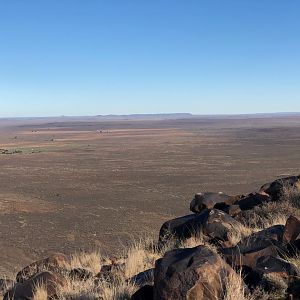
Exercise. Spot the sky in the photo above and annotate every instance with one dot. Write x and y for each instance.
(92, 57)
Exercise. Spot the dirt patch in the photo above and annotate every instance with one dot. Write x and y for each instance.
(15, 203)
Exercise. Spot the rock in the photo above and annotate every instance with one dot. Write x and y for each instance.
(291, 230)
(233, 210)
(215, 224)
(182, 227)
(248, 251)
(294, 290)
(190, 273)
(25, 290)
(144, 293)
(80, 273)
(5, 284)
(271, 264)
(208, 200)
(261, 239)
(252, 200)
(273, 233)
(274, 189)
(143, 278)
(243, 203)
(220, 227)
(265, 243)
(251, 278)
(54, 263)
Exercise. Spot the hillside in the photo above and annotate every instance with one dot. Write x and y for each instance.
(232, 247)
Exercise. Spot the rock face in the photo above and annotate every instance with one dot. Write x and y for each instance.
(191, 273)
(52, 263)
(25, 290)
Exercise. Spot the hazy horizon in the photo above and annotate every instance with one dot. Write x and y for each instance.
(179, 114)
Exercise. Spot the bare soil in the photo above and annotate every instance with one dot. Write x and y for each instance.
(86, 184)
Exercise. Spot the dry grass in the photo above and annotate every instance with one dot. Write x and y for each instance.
(40, 293)
(273, 213)
(295, 260)
(266, 215)
(240, 232)
(234, 287)
(291, 195)
(121, 291)
(140, 256)
(89, 261)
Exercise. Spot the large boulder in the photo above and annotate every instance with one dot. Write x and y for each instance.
(267, 242)
(208, 200)
(54, 263)
(216, 225)
(221, 228)
(294, 289)
(277, 274)
(269, 235)
(144, 293)
(275, 188)
(291, 230)
(24, 291)
(190, 273)
(182, 228)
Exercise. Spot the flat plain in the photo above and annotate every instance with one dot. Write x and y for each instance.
(83, 184)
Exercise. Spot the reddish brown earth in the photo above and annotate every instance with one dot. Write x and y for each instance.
(74, 187)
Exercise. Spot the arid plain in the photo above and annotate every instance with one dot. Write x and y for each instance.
(80, 184)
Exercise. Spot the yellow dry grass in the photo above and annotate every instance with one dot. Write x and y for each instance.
(89, 261)
(40, 293)
(234, 288)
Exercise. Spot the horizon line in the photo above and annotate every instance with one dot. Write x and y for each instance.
(186, 114)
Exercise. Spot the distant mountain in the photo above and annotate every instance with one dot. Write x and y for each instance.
(170, 116)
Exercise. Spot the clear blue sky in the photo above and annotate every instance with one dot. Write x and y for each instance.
(89, 57)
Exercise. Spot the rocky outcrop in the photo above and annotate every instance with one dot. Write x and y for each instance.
(193, 273)
(274, 189)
